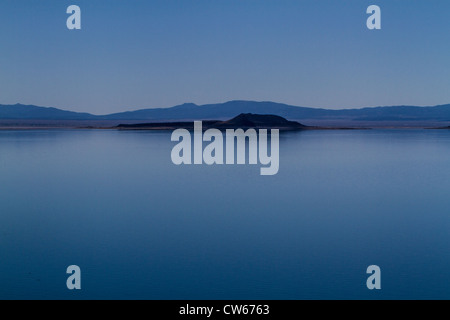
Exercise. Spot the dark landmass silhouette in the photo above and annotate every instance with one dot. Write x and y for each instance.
(231, 109)
(242, 121)
(395, 116)
(249, 120)
(30, 112)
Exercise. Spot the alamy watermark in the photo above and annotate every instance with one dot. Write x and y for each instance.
(214, 151)
(374, 280)
(74, 20)
(74, 280)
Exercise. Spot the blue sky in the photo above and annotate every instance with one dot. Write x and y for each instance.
(159, 53)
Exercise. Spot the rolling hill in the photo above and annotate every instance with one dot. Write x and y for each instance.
(228, 110)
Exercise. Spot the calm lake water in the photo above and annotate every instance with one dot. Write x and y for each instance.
(141, 227)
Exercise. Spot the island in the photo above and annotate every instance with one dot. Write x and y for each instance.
(242, 121)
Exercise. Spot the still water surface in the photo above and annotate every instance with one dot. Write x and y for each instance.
(140, 227)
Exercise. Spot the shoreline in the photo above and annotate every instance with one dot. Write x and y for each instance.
(39, 128)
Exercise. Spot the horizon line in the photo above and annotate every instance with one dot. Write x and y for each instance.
(230, 101)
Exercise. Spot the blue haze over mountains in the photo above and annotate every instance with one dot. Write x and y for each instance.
(227, 110)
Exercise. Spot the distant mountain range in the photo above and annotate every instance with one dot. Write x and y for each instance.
(227, 110)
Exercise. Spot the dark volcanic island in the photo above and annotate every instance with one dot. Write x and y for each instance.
(242, 121)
